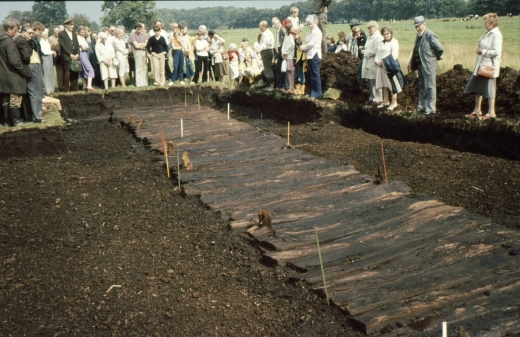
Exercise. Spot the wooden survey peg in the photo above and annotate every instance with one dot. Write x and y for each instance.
(186, 163)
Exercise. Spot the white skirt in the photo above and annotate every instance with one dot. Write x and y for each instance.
(106, 71)
(233, 70)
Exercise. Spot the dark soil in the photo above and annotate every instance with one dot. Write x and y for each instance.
(340, 71)
(485, 185)
(94, 241)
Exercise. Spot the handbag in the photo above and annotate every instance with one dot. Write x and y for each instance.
(115, 62)
(486, 71)
(75, 66)
(284, 66)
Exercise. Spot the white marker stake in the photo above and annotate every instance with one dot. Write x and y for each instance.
(444, 329)
(182, 129)
(228, 111)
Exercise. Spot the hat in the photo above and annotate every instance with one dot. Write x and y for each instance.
(418, 20)
(286, 22)
(211, 32)
(68, 22)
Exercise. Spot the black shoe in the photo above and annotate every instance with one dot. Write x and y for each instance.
(39, 120)
(69, 121)
(66, 118)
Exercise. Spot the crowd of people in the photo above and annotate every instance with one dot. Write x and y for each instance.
(31, 57)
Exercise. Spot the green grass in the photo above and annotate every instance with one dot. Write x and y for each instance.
(52, 116)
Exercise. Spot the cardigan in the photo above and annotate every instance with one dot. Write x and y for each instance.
(157, 46)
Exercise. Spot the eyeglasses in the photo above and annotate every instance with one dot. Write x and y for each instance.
(30, 33)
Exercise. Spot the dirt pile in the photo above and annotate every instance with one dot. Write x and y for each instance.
(339, 70)
(451, 98)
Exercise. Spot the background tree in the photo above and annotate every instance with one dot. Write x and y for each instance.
(127, 13)
(50, 13)
(18, 15)
(80, 20)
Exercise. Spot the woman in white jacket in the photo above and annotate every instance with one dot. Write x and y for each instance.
(489, 52)
(105, 55)
(389, 47)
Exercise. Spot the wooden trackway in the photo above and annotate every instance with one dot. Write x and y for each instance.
(390, 259)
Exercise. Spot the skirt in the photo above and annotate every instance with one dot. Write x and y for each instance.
(481, 85)
(233, 70)
(218, 70)
(88, 71)
(382, 80)
(123, 68)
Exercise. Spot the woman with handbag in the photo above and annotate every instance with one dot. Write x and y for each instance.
(487, 68)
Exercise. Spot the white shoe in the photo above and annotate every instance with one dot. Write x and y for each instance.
(392, 107)
(182, 82)
(170, 84)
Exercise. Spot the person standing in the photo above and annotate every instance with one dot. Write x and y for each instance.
(121, 55)
(177, 47)
(369, 68)
(55, 47)
(427, 51)
(31, 59)
(314, 54)
(287, 53)
(321, 8)
(157, 47)
(280, 36)
(48, 64)
(188, 53)
(12, 76)
(105, 55)
(201, 47)
(138, 42)
(489, 51)
(88, 73)
(265, 47)
(69, 47)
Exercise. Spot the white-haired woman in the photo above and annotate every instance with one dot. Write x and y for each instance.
(105, 55)
(121, 56)
(313, 49)
(234, 58)
(48, 62)
(489, 51)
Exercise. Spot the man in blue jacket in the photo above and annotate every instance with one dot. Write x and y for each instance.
(427, 50)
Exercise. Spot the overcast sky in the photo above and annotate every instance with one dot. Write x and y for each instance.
(93, 8)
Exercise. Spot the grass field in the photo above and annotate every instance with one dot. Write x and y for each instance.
(459, 38)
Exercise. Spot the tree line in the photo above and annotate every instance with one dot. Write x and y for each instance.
(51, 13)
(127, 13)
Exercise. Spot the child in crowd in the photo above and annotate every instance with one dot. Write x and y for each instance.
(288, 54)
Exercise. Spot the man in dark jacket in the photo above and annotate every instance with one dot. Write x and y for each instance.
(69, 47)
(426, 52)
(28, 47)
(321, 8)
(12, 76)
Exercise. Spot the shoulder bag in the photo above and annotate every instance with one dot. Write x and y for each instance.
(486, 71)
(75, 66)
